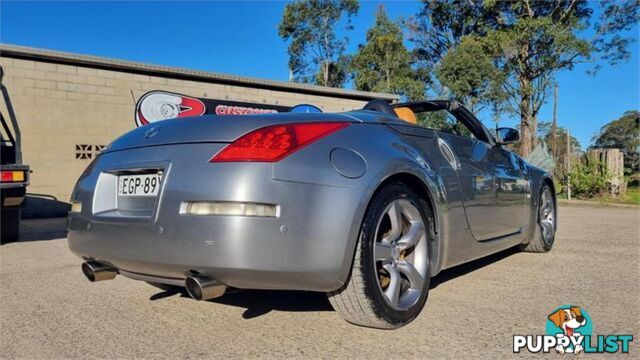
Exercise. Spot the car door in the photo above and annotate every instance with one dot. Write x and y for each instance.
(512, 192)
(494, 190)
(493, 187)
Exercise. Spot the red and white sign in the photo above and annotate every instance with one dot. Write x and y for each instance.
(241, 110)
(161, 105)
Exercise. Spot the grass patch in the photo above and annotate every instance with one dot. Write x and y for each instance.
(631, 197)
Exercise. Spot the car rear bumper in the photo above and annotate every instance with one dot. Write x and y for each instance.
(308, 246)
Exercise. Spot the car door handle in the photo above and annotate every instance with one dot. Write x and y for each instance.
(448, 153)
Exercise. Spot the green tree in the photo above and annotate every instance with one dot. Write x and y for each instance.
(383, 63)
(316, 54)
(470, 76)
(623, 133)
(529, 41)
(545, 133)
(589, 178)
(442, 121)
(441, 25)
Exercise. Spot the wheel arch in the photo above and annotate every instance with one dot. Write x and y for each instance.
(415, 183)
(548, 181)
(418, 185)
(533, 241)
(539, 179)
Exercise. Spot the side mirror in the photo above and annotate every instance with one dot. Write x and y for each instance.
(507, 135)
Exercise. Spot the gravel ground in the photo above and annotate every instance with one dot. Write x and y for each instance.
(48, 309)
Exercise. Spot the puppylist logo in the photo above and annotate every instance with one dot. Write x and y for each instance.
(569, 330)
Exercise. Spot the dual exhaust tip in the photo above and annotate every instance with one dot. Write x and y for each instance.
(202, 288)
(94, 271)
(198, 287)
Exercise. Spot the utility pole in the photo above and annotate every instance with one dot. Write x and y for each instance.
(554, 126)
(568, 165)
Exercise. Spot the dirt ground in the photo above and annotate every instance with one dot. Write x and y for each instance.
(49, 310)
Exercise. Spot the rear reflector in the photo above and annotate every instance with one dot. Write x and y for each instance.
(273, 143)
(229, 208)
(12, 176)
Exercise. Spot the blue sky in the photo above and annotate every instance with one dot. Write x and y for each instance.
(241, 38)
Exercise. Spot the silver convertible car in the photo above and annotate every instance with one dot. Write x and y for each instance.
(365, 205)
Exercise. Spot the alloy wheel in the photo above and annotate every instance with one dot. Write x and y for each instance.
(400, 254)
(547, 216)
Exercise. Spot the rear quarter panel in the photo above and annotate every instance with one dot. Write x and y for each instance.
(386, 154)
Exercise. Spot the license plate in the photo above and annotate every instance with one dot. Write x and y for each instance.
(139, 185)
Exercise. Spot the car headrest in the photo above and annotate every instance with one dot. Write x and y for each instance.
(406, 114)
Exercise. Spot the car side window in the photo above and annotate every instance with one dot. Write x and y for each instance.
(444, 121)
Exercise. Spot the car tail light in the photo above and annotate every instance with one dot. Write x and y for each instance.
(273, 143)
(9, 176)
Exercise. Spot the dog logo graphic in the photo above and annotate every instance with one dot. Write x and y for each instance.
(568, 321)
(569, 330)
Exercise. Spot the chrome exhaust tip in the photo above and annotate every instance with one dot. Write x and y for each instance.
(94, 271)
(202, 288)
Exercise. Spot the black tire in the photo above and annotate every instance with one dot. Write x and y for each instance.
(361, 301)
(10, 225)
(540, 244)
(167, 287)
